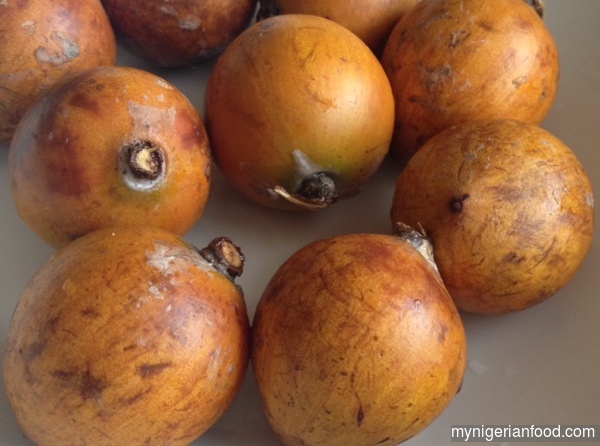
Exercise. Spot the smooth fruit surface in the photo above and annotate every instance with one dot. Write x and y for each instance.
(110, 146)
(297, 95)
(371, 20)
(450, 61)
(356, 341)
(41, 42)
(509, 210)
(127, 336)
(179, 32)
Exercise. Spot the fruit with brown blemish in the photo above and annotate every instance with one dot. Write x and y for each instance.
(509, 210)
(356, 341)
(451, 61)
(178, 33)
(127, 336)
(106, 147)
(41, 42)
(299, 112)
(371, 20)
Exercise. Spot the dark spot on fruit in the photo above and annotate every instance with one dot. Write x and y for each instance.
(457, 204)
(83, 101)
(151, 370)
(513, 257)
(89, 313)
(33, 351)
(442, 334)
(91, 387)
(360, 416)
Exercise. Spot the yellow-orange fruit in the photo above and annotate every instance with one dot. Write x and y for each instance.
(127, 336)
(41, 42)
(299, 112)
(371, 20)
(509, 210)
(109, 146)
(451, 61)
(356, 341)
(179, 32)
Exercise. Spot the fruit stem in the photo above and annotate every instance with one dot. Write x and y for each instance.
(316, 191)
(418, 240)
(225, 257)
(142, 165)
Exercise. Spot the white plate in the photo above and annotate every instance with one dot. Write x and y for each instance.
(539, 366)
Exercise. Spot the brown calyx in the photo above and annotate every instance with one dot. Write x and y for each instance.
(315, 192)
(225, 257)
(145, 160)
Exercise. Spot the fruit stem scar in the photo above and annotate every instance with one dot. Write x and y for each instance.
(142, 165)
(419, 241)
(456, 204)
(225, 257)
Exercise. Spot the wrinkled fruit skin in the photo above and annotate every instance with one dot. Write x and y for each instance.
(66, 158)
(181, 32)
(43, 41)
(356, 342)
(294, 93)
(508, 208)
(125, 337)
(450, 61)
(371, 20)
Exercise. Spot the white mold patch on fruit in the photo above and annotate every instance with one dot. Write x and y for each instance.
(4, 3)
(189, 24)
(29, 27)
(171, 261)
(145, 117)
(68, 49)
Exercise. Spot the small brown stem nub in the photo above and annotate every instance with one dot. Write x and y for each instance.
(145, 160)
(225, 257)
(314, 192)
(538, 6)
(418, 239)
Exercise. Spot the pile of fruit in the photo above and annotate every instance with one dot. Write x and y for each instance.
(129, 335)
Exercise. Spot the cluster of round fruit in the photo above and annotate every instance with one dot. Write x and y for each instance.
(357, 338)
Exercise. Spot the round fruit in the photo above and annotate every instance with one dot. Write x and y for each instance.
(41, 42)
(356, 341)
(450, 61)
(509, 210)
(127, 336)
(179, 32)
(109, 146)
(299, 112)
(371, 20)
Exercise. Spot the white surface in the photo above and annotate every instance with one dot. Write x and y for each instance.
(540, 366)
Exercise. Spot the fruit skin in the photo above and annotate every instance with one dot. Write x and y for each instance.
(125, 337)
(295, 93)
(371, 20)
(509, 210)
(356, 341)
(179, 32)
(450, 61)
(66, 158)
(43, 41)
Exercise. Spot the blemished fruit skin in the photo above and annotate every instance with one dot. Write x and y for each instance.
(371, 20)
(509, 210)
(356, 341)
(69, 165)
(297, 93)
(41, 42)
(127, 336)
(451, 61)
(179, 32)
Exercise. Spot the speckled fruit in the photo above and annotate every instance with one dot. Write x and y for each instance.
(509, 210)
(371, 20)
(179, 32)
(299, 112)
(128, 336)
(450, 61)
(110, 146)
(41, 42)
(356, 341)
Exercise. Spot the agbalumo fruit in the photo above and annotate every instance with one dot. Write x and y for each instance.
(109, 146)
(450, 61)
(299, 112)
(127, 336)
(179, 32)
(371, 20)
(356, 341)
(41, 42)
(509, 210)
